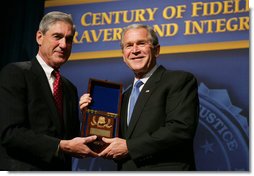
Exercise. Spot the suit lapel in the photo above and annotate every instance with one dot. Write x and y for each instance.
(43, 86)
(144, 95)
(124, 111)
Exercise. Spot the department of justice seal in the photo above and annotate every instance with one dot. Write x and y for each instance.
(222, 139)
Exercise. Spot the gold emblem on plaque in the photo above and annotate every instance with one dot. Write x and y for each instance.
(102, 122)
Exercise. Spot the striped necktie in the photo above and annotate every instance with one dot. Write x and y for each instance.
(133, 98)
(57, 92)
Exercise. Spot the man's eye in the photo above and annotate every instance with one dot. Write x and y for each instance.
(128, 46)
(141, 44)
(57, 37)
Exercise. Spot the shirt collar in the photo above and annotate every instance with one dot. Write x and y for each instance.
(47, 69)
(148, 75)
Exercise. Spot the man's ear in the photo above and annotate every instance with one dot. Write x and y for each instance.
(39, 37)
(157, 50)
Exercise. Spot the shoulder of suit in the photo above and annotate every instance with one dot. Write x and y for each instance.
(179, 72)
(173, 72)
(25, 65)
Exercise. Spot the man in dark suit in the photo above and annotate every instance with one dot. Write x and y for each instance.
(158, 134)
(34, 135)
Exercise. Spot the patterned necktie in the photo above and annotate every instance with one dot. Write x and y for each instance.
(57, 92)
(133, 98)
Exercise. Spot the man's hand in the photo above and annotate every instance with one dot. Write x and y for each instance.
(77, 147)
(117, 148)
(84, 101)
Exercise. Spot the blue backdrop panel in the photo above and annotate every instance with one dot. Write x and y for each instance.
(222, 141)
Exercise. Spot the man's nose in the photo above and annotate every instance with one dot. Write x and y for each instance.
(135, 48)
(62, 43)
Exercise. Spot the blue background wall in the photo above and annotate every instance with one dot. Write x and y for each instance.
(222, 140)
(225, 71)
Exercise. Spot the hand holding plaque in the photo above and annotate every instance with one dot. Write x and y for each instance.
(102, 116)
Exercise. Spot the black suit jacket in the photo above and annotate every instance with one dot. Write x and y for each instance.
(30, 129)
(163, 124)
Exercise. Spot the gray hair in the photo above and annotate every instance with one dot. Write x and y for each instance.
(53, 17)
(151, 33)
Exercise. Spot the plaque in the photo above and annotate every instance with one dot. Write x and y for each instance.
(102, 116)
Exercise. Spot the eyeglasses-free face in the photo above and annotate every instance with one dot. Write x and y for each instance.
(138, 52)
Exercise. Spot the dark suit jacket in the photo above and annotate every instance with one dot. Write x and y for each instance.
(163, 124)
(30, 129)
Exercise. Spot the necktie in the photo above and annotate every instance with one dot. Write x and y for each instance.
(133, 98)
(57, 92)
